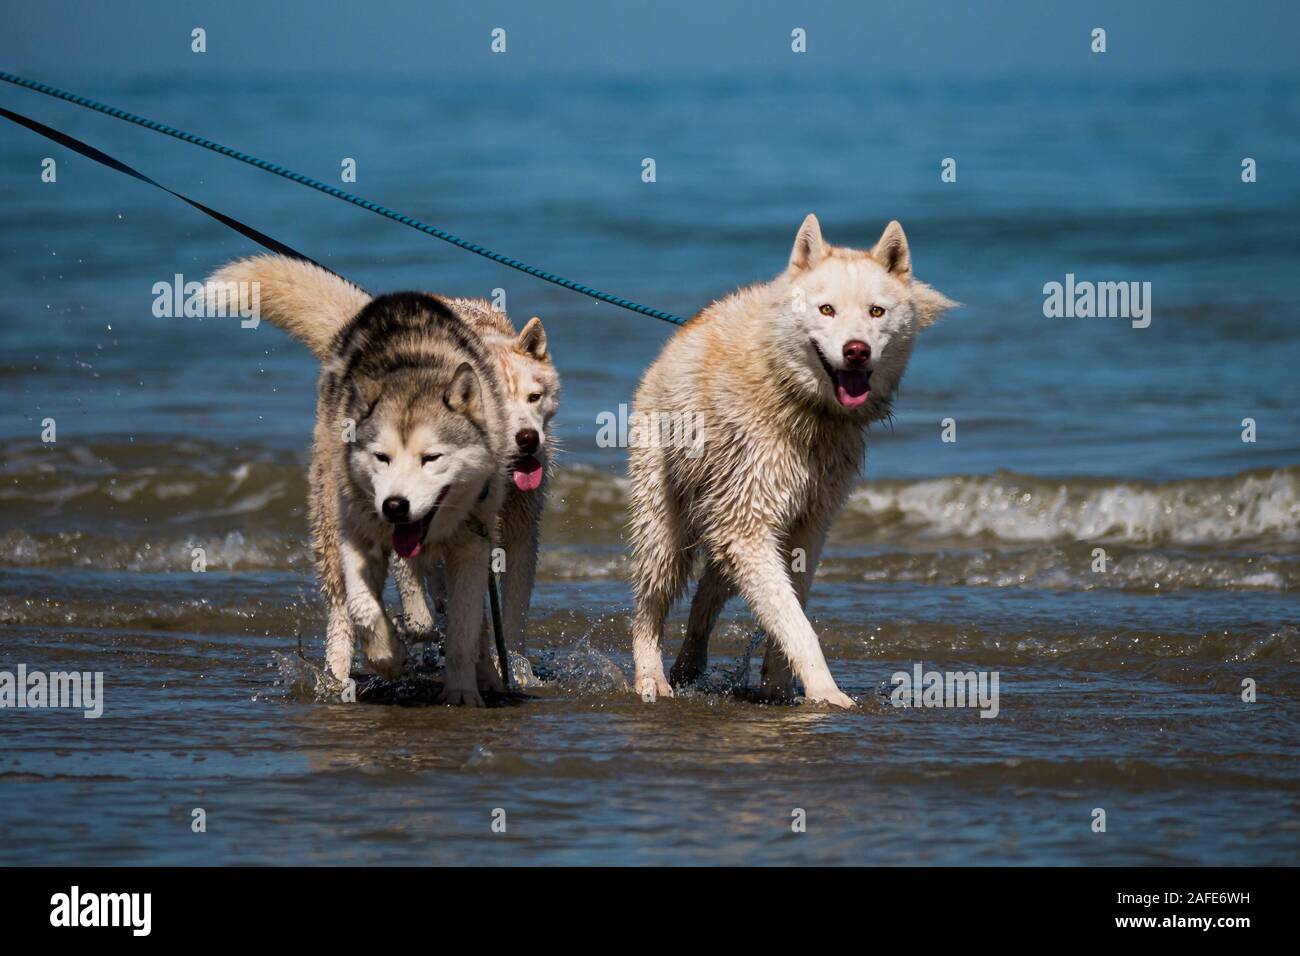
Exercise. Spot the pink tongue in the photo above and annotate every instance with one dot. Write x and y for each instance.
(407, 538)
(851, 387)
(528, 474)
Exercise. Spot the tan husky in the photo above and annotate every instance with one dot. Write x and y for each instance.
(530, 388)
(783, 377)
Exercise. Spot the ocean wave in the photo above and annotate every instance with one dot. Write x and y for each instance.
(1050, 567)
(151, 486)
(1256, 506)
(233, 551)
(144, 506)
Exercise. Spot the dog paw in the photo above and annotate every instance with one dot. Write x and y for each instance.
(489, 678)
(650, 687)
(418, 631)
(779, 692)
(339, 670)
(388, 661)
(460, 697)
(830, 695)
(684, 674)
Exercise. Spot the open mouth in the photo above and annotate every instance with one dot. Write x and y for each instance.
(527, 473)
(852, 385)
(409, 536)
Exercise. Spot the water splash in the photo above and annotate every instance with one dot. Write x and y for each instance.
(582, 668)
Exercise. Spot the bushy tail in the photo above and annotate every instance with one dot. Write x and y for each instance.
(308, 302)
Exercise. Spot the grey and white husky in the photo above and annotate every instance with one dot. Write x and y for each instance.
(782, 377)
(410, 454)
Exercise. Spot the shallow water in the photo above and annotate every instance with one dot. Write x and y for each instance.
(1118, 689)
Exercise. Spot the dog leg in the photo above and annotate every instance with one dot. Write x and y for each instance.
(487, 672)
(339, 642)
(436, 577)
(364, 570)
(711, 596)
(778, 678)
(339, 637)
(409, 575)
(467, 570)
(519, 538)
(757, 567)
(326, 539)
(660, 565)
(805, 553)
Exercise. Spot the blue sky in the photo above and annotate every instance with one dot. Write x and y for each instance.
(61, 38)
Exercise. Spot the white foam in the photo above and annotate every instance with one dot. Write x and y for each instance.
(1022, 509)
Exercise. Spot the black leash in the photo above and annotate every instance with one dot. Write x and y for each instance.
(274, 245)
(101, 157)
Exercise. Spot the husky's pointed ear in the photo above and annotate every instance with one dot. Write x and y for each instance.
(532, 340)
(465, 395)
(367, 389)
(809, 247)
(891, 251)
(929, 303)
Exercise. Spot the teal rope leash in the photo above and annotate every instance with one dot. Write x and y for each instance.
(345, 196)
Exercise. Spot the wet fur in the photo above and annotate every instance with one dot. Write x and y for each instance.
(398, 365)
(523, 363)
(779, 454)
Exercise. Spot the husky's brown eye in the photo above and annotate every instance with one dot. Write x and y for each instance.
(427, 459)
(381, 457)
(534, 397)
(877, 311)
(827, 309)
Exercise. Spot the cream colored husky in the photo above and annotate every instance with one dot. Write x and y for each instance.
(784, 377)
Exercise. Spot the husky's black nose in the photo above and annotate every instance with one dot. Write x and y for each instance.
(856, 353)
(527, 439)
(397, 509)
